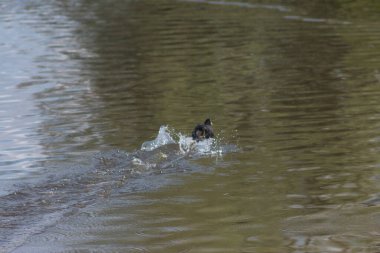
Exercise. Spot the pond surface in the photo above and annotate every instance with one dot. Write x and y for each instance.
(292, 88)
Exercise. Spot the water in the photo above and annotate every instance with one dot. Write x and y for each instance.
(292, 88)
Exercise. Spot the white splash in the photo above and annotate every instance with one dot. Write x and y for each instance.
(163, 138)
(185, 143)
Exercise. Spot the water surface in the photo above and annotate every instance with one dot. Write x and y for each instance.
(292, 87)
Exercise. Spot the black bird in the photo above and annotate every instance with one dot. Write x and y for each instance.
(203, 131)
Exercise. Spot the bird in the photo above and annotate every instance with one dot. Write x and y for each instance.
(203, 131)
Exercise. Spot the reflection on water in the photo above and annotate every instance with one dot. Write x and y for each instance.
(296, 84)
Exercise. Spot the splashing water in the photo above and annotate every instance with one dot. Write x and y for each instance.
(186, 144)
(163, 138)
(207, 146)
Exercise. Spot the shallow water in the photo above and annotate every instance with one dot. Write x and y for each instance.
(293, 90)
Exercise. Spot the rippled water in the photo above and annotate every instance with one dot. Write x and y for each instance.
(293, 90)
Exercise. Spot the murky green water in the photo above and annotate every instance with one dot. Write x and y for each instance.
(292, 87)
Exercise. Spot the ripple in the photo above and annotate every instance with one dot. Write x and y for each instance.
(243, 5)
(294, 85)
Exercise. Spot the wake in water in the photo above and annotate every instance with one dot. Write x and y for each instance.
(33, 208)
